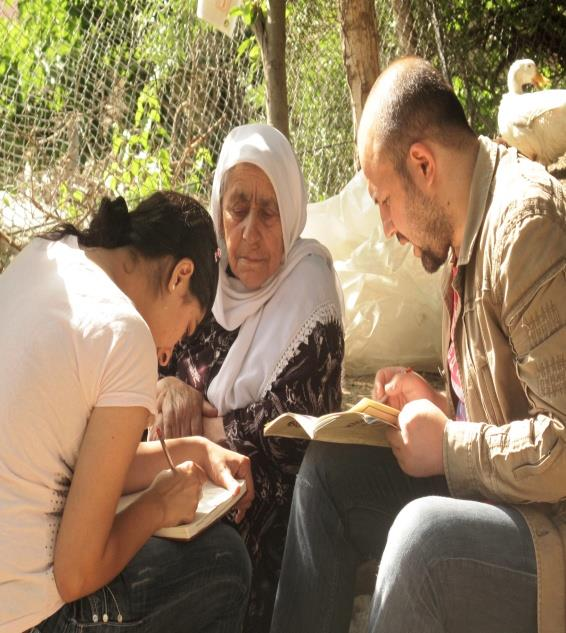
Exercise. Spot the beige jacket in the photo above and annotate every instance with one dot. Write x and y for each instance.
(511, 348)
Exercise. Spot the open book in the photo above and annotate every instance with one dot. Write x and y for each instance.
(364, 423)
(215, 502)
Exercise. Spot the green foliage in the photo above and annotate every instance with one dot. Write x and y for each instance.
(71, 201)
(139, 168)
(482, 38)
(320, 119)
(250, 11)
(203, 166)
(41, 81)
(167, 124)
(35, 52)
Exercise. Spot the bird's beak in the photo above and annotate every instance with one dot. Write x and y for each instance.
(540, 81)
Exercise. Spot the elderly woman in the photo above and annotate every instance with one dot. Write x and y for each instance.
(274, 343)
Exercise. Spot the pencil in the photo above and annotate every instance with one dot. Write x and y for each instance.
(165, 449)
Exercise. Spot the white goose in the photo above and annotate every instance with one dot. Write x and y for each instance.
(533, 122)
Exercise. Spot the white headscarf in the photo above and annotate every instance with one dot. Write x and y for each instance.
(275, 318)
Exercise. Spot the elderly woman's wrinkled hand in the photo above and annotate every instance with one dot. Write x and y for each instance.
(179, 409)
(213, 427)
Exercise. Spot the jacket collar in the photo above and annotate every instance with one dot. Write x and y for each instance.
(480, 191)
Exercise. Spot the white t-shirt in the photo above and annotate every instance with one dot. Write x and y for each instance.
(70, 340)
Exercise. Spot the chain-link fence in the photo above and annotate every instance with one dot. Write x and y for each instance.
(128, 96)
(120, 97)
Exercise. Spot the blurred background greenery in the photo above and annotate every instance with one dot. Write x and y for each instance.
(128, 96)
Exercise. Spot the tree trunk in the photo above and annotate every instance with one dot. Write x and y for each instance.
(360, 46)
(405, 26)
(271, 35)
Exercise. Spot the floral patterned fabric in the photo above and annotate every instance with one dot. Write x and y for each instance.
(309, 383)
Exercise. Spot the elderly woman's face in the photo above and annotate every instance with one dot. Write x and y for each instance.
(252, 225)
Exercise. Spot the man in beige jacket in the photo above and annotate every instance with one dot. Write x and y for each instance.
(466, 511)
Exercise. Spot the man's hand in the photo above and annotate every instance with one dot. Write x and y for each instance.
(398, 386)
(418, 443)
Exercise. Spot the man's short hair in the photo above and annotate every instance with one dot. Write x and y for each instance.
(414, 103)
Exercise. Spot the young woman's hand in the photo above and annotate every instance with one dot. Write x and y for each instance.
(178, 492)
(224, 467)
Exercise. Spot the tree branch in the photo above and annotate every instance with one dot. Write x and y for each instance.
(271, 35)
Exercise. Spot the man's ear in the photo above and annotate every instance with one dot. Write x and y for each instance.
(421, 163)
(181, 276)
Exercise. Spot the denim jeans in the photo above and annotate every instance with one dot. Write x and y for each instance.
(449, 565)
(170, 587)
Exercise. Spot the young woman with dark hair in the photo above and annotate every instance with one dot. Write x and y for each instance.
(82, 314)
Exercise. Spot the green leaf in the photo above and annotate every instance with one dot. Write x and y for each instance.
(244, 46)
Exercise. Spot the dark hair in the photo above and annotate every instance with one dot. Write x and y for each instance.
(417, 104)
(166, 224)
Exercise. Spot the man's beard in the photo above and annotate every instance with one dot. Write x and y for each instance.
(430, 261)
(431, 220)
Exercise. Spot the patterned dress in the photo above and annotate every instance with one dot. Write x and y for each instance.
(309, 383)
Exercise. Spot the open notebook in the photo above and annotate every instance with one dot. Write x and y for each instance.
(215, 503)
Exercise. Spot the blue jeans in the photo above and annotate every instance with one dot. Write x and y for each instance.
(169, 586)
(449, 565)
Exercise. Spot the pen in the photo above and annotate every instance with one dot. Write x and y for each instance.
(159, 433)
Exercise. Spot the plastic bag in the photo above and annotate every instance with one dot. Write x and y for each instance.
(393, 306)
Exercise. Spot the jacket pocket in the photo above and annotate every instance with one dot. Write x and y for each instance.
(540, 466)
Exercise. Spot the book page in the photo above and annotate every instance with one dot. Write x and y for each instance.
(292, 425)
(346, 428)
(354, 428)
(212, 496)
(377, 410)
(364, 423)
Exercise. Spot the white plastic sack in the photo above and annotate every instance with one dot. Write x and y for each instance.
(217, 13)
(393, 307)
